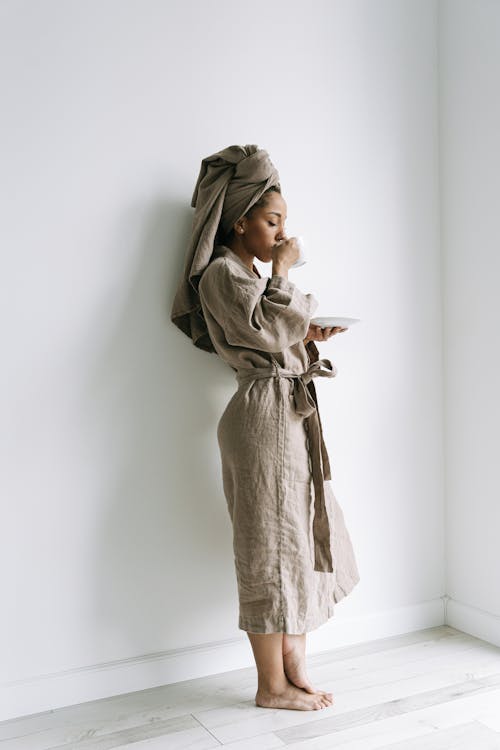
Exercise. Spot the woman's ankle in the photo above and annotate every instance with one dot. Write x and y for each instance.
(274, 686)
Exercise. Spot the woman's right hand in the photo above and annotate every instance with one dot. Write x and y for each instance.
(284, 255)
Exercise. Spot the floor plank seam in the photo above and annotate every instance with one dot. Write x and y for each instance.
(206, 729)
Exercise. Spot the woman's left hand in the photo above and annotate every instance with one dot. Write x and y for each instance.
(316, 333)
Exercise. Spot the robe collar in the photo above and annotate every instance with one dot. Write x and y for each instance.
(224, 250)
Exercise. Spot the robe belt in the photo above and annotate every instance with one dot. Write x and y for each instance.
(306, 405)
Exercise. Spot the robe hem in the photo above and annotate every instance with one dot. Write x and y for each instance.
(290, 627)
(341, 591)
(275, 625)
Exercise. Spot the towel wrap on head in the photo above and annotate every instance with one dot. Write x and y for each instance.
(229, 183)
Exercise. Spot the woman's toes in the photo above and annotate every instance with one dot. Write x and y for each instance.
(329, 696)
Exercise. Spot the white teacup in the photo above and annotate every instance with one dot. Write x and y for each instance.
(302, 256)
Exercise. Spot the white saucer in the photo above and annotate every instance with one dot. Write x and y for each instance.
(329, 322)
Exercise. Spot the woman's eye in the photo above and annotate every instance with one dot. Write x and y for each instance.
(271, 223)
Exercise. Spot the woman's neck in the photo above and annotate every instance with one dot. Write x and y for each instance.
(240, 251)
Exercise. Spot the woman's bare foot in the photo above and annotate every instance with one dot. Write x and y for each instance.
(290, 696)
(294, 664)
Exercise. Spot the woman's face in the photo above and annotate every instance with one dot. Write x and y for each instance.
(265, 228)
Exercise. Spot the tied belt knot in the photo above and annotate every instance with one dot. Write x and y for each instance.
(306, 405)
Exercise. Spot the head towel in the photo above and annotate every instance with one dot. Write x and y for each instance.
(229, 183)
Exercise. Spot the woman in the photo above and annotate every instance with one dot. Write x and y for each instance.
(292, 552)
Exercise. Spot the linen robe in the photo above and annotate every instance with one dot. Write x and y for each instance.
(260, 322)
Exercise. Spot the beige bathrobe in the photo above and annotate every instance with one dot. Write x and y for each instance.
(292, 552)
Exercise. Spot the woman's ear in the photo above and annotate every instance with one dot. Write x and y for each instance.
(240, 226)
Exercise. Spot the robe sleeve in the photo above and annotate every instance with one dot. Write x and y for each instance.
(269, 314)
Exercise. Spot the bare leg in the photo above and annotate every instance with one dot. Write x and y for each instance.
(274, 688)
(294, 662)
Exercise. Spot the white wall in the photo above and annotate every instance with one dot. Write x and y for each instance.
(116, 552)
(470, 157)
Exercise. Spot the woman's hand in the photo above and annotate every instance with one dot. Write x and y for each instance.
(316, 333)
(284, 255)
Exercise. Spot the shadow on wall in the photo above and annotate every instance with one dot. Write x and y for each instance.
(152, 403)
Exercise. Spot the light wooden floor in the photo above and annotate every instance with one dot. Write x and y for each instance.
(435, 689)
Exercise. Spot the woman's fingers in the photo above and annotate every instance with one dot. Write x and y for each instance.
(323, 334)
(332, 331)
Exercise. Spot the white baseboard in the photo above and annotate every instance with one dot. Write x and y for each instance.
(472, 620)
(51, 691)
